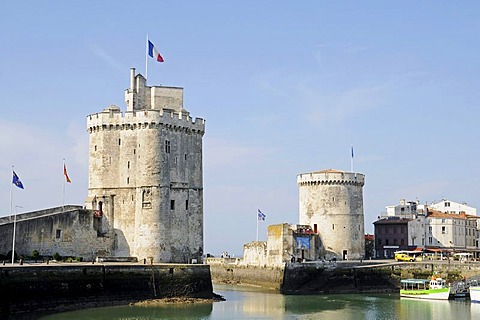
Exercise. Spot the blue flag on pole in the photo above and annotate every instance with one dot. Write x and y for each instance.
(16, 181)
(261, 215)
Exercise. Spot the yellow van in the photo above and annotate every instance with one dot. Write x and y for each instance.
(403, 257)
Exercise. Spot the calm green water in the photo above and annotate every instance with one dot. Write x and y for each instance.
(251, 303)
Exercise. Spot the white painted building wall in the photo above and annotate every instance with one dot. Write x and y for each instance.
(406, 209)
(417, 231)
(448, 206)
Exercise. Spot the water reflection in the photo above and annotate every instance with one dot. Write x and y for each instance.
(253, 303)
(341, 306)
(166, 311)
(435, 309)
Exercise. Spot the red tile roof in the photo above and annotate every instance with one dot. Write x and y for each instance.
(438, 214)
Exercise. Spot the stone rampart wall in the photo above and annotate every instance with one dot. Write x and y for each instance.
(69, 233)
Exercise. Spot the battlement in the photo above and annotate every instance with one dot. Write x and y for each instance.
(113, 118)
(331, 177)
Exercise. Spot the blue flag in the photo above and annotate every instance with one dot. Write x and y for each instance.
(261, 215)
(16, 181)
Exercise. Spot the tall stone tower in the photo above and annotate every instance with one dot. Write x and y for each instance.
(146, 177)
(331, 201)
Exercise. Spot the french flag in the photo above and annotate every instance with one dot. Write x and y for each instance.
(152, 52)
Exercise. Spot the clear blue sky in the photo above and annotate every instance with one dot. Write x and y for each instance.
(286, 87)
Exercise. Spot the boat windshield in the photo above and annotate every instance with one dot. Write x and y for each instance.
(414, 284)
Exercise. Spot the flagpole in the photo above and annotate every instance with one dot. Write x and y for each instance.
(257, 224)
(14, 221)
(63, 191)
(146, 60)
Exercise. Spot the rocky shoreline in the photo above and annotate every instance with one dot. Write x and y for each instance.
(172, 300)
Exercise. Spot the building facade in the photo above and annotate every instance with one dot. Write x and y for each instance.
(391, 234)
(410, 226)
(453, 207)
(331, 202)
(145, 175)
(453, 231)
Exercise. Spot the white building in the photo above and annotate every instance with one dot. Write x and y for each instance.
(448, 206)
(406, 209)
(445, 224)
(450, 230)
(416, 231)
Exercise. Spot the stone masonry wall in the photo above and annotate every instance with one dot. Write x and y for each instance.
(33, 290)
(146, 165)
(69, 233)
(333, 201)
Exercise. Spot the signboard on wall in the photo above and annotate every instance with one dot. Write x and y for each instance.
(303, 242)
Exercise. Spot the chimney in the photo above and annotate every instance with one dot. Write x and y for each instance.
(132, 79)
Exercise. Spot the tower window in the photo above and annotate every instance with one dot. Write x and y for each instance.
(95, 148)
(167, 146)
(172, 204)
(128, 165)
(128, 180)
(333, 226)
(119, 142)
(133, 151)
(58, 233)
(185, 156)
(186, 204)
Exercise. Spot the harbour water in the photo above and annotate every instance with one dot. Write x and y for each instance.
(254, 303)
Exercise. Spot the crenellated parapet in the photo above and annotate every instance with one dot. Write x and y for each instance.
(112, 118)
(331, 177)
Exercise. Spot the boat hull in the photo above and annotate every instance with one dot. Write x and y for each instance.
(430, 294)
(474, 293)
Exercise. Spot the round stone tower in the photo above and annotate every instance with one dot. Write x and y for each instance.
(331, 201)
(146, 177)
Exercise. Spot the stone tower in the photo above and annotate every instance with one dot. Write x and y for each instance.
(146, 177)
(331, 201)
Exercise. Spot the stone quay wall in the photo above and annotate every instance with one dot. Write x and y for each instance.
(342, 277)
(45, 289)
(267, 277)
